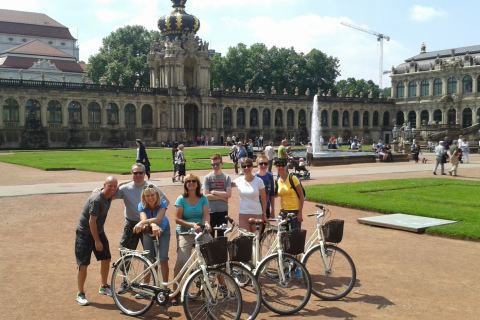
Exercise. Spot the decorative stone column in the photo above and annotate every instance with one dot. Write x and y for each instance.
(43, 114)
(2, 101)
(103, 108)
(247, 116)
(260, 118)
(84, 108)
(474, 84)
(418, 119)
(444, 86)
(64, 105)
(419, 84)
(138, 114)
(121, 115)
(430, 88)
(234, 117)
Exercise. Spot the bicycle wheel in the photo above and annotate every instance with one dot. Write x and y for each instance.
(266, 241)
(226, 302)
(288, 296)
(339, 278)
(250, 289)
(127, 293)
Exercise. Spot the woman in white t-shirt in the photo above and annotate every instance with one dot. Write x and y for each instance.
(253, 199)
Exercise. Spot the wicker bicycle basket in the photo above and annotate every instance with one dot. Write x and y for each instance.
(294, 241)
(240, 249)
(333, 230)
(215, 251)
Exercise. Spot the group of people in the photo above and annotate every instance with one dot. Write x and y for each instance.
(206, 203)
(448, 151)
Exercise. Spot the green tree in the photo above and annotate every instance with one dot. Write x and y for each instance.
(257, 66)
(356, 88)
(123, 56)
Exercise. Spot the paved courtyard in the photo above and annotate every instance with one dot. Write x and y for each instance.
(401, 275)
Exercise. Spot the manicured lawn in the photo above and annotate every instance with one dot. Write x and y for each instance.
(110, 160)
(437, 198)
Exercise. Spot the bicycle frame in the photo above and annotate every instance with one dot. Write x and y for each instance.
(194, 262)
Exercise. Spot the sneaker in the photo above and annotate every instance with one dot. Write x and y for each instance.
(123, 287)
(298, 273)
(105, 290)
(81, 299)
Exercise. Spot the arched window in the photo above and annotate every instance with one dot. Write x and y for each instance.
(302, 119)
(290, 118)
(240, 118)
(130, 116)
(356, 119)
(424, 117)
(466, 117)
(412, 118)
(345, 119)
(147, 115)
(254, 118)
(266, 118)
(452, 85)
(467, 85)
(324, 117)
(112, 114)
(278, 118)
(412, 89)
(11, 111)
(451, 117)
(32, 110)
(54, 112)
(386, 119)
(437, 87)
(366, 119)
(74, 112)
(375, 119)
(424, 88)
(227, 118)
(94, 115)
(400, 119)
(335, 118)
(437, 116)
(400, 89)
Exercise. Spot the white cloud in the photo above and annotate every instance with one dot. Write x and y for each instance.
(208, 4)
(422, 14)
(89, 47)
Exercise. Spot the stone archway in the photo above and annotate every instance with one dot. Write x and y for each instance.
(190, 121)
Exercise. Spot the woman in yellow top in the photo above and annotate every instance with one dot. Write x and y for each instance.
(291, 196)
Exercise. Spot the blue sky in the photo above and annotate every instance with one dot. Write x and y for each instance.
(302, 24)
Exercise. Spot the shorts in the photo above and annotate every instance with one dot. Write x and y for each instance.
(181, 169)
(85, 245)
(243, 220)
(129, 239)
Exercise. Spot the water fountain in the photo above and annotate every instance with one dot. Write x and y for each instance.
(327, 158)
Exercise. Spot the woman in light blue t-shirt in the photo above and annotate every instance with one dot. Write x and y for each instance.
(192, 210)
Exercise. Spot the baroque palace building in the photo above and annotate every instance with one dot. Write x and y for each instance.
(179, 105)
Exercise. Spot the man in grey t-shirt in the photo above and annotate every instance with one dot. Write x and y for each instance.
(131, 193)
(217, 187)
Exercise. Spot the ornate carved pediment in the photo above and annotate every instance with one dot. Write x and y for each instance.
(44, 65)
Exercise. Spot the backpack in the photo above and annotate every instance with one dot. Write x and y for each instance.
(290, 179)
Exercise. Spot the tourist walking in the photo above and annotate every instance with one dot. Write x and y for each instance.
(90, 237)
(415, 150)
(154, 223)
(180, 162)
(282, 150)
(267, 178)
(142, 156)
(440, 158)
(290, 191)
(174, 153)
(270, 153)
(465, 151)
(454, 154)
(250, 189)
(217, 187)
(309, 154)
(241, 153)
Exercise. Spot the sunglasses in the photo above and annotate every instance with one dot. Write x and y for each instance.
(247, 166)
(216, 165)
(138, 173)
(263, 163)
(190, 181)
(150, 186)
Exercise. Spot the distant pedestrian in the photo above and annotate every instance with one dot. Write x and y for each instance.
(180, 162)
(454, 154)
(142, 156)
(465, 151)
(415, 150)
(440, 158)
(270, 153)
(174, 152)
(309, 154)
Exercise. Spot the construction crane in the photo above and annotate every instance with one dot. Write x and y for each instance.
(380, 38)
